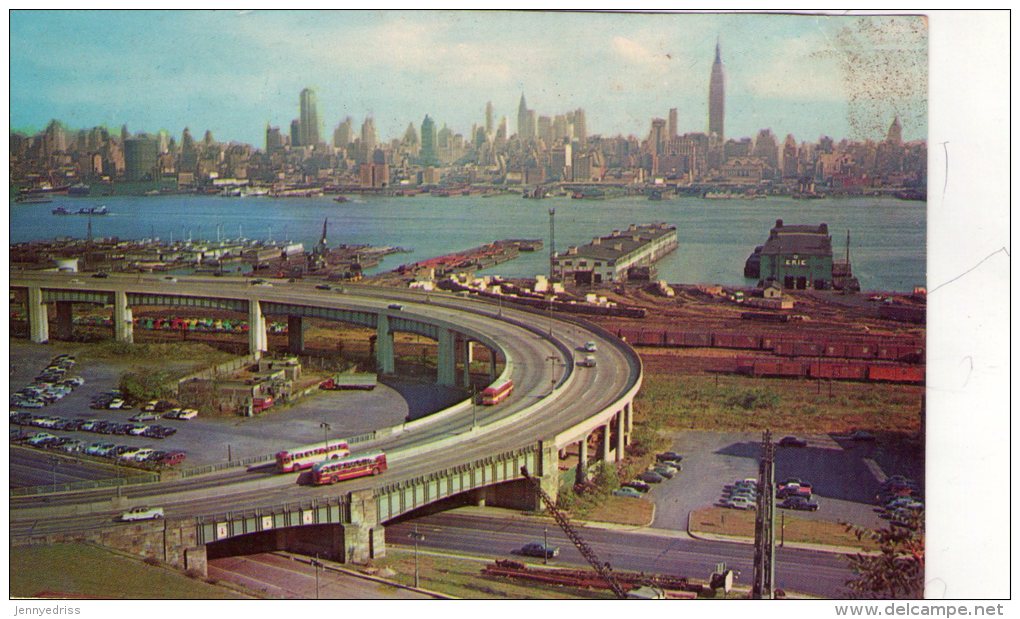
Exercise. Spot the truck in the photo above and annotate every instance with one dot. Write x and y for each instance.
(361, 380)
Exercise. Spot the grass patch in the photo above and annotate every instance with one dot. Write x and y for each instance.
(738, 403)
(723, 521)
(90, 571)
(623, 510)
(196, 354)
(462, 577)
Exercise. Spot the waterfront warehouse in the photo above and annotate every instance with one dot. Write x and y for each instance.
(609, 258)
(799, 257)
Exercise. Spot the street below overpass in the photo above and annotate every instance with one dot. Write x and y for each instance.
(484, 532)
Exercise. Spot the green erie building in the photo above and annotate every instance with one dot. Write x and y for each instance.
(799, 257)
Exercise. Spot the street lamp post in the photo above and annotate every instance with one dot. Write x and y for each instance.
(545, 547)
(325, 434)
(417, 537)
(317, 565)
(474, 412)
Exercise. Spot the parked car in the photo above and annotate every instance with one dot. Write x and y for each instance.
(669, 455)
(395, 306)
(627, 491)
(638, 485)
(538, 549)
(153, 416)
(651, 477)
(792, 441)
(142, 513)
(799, 502)
(666, 471)
(738, 503)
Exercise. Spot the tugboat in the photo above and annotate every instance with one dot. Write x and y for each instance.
(61, 211)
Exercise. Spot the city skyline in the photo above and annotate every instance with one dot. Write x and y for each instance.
(782, 72)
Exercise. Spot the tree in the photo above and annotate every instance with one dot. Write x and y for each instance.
(897, 570)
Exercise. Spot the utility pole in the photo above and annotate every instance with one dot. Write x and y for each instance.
(417, 537)
(552, 243)
(763, 585)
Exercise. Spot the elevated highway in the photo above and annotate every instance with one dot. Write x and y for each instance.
(467, 451)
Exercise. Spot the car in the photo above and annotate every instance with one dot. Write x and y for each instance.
(101, 274)
(800, 503)
(98, 449)
(861, 435)
(792, 441)
(395, 306)
(638, 485)
(323, 287)
(145, 417)
(187, 413)
(143, 454)
(115, 404)
(793, 490)
(170, 278)
(651, 477)
(669, 455)
(538, 549)
(673, 463)
(138, 430)
(627, 491)
(171, 458)
(40, 439)
(590, 347)
(142, 513)
(794, 481)
(666, 471)
(588, 361)
(738, 503)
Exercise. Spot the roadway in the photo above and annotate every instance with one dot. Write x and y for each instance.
(587, 391)
(660, 551)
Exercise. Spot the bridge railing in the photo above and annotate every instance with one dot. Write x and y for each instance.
(88, 484)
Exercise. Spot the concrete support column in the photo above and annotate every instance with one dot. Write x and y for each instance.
(468, 357)
(384, 346)
(65, 320)
(620, 435)
(258, 341)
(196, 560)
(549, 472)
(295, 335)
(123, 323)
(605, 441)
(38, 317)
(582, 461)
(492, 365)
(628, 408)
(364, 537)
(446, 359)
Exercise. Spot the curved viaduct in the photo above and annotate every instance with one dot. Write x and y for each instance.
(464, 451)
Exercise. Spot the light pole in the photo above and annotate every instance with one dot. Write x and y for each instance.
(417, 537)
(325, 434)
(474, 412)
(551, 297)
(317, 565)
(545, 547)
(552, 359)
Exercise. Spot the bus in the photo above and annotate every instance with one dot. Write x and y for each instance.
(348, 468)
(497, 392)
(290, 460)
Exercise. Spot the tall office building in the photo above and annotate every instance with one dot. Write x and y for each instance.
(309, 128)
(429, 139)
(141, 158)
(580, 127)
(368, 136)
(657, 136)
(488, 118)
(672, 123)
(895, 135)
(522, 120)
(717, 97)
(344, 133)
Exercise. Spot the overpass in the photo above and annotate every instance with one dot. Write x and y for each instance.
(456, 454)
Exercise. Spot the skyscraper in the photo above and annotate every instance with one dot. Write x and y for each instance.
(522, 120)
(672, 123)
(309, 128)
(428, 142)
(895, 135)
(488, 118)
(717, 97)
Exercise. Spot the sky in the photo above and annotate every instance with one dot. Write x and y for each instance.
(235, 71)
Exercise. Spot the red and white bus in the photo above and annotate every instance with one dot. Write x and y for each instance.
(333, 471)
(299, 458)
(497, 392)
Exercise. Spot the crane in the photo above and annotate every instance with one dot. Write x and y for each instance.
(603, 569)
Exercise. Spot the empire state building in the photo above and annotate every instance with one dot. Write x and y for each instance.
(717, 97)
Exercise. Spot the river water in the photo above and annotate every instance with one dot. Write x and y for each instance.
(887, 236)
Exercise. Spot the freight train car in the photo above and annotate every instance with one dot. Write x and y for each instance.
(896, 373)
(736, 340)
(838, 371)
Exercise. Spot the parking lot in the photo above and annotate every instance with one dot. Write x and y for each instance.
(208, 440)
(845, 475)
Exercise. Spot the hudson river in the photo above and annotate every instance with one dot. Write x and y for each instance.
(887, 236)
